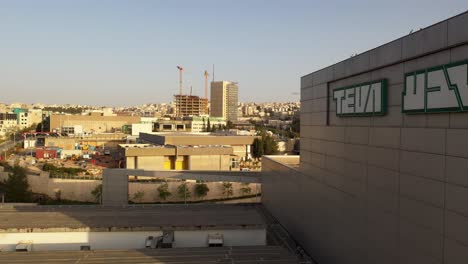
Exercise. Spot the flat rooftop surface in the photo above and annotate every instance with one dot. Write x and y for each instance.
(135, 218)
(245, 255)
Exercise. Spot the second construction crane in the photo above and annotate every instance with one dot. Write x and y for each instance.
(190, 105)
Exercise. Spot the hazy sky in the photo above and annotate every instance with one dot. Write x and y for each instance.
(126, 52)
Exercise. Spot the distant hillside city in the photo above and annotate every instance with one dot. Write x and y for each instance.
(49, 145)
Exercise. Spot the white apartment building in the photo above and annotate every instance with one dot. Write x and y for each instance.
(200, 123)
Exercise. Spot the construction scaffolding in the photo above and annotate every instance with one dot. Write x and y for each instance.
(190, 105)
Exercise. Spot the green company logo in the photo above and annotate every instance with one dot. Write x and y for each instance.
(438, 89)
(366, 99)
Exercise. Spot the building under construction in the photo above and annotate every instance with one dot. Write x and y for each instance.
(190, 105)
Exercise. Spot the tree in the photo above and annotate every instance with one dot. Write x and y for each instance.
(163, 191)
(183, 191)
(227, 189)
(257, 148)
(229, 124)
(97, 193)
(138, 196)
(208, 126)
(265, 145)
(204, 125)
(39, 127)
(201, 190)
(245, 189)
(270, 147)
(16, 186)
(58, 194)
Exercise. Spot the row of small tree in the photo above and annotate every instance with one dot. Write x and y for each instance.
(200, 191)
(207, 127)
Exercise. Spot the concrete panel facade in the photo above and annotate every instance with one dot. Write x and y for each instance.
(379, 189)
(209, 162)
(115, 186)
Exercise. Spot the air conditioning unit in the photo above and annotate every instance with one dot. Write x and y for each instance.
(24, 246)
(167, 239)
(215, 240)
(149, 241)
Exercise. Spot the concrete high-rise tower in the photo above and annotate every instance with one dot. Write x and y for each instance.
(224, 99)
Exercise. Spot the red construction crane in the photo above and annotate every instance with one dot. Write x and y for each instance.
(180, 78)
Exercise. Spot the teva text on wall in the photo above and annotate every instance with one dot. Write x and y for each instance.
(366, 99)
(438, 89)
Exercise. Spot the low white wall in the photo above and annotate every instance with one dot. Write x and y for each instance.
(126, 240)
(73, 240)
(254, 237)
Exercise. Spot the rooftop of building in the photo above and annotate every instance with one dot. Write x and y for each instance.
(129, 218)
(161, 150)
(143, 146)
(196, 139)
(247, 254)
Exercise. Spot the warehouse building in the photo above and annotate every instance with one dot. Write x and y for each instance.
(91, 123)
(384, 154)
(169, 157)
(240, 144)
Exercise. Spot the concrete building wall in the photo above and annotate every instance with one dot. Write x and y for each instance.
(379, 189)
(130, 162)
(35, 116)
(47, 241)
(241, 151)
(209, 162)
(142, 127)
(70, 189)
(151, 193)
(150, 162)
(80, 190)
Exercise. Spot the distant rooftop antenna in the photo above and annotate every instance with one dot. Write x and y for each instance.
(213, 73)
